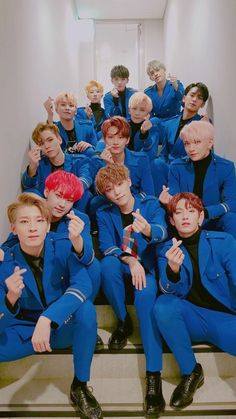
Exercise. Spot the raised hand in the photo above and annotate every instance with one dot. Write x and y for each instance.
(88, 111)
(34, 156)
(175, 255)
(76, 225)
(49, 106)
(15, 285)
(146, 125)
(115, 92)
(140, 224)
(164, 196)
(106, 155)
(173, 80)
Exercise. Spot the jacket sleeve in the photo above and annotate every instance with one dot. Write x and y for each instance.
(173, 179)
(144, 169)
(166, 285)
(29, 181)
(157, 222)
(77, 292)
(82, 169)
(107, 243)
(88, 254)
(6, 315)
(229, 248)
(228, 195)
(111, 108)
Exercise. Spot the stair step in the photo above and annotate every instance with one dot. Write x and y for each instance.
(117, 397)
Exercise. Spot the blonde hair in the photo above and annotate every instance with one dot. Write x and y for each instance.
(197, 130)
(67, 97)
(139, 98)
(28, 199)
(43, 126)
(93, 83)
(112, 173)
(154, 65)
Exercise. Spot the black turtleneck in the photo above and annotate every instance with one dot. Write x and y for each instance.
(198, 294)
(98, 111)
(122, 98)
(200, 169)
(134, 128)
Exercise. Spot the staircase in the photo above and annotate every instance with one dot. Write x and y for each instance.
(38, 386)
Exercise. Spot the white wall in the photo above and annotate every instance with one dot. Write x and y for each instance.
(151, 47)
(39, 57)
(199, 43)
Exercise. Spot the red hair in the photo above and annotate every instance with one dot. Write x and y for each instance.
(66, 183)
(190, 200)
(120, 123)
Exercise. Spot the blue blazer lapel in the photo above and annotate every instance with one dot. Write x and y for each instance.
(204, 252)
(211, 185)
(117, 223)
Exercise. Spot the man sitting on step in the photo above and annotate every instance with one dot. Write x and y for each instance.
(62, 189)
(129, 228)
(198, 277)
(44, 297)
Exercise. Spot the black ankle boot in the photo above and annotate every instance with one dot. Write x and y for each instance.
(154, 401)
(118, 339)
(99, 344)
(184, 392)
(84, 401)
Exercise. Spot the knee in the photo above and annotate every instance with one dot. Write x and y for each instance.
(166, 308)
(145, 298)
(86, 315)
(109, 266)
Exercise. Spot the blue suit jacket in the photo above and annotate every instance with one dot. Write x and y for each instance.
(219, 188)
(62, 232)
(167, 105)
(172, 149)
(65, 282)
(150, 144)
(110, 230)
(217, 255)
(74, 163)
(81, 114)
(111, 109)
(139, 169)
(84, 131)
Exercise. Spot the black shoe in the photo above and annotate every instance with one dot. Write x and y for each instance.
(118, 339)
(184, 392)
(85, 403)
(99, 344)
(154, 401)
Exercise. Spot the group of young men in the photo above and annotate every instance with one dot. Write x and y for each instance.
(165, 222)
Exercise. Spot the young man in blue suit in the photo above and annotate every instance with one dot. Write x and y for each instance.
(48, 157)
(62, 190)
(166, 95)
(196, 95)
(198, 277)
(209, 176)
(78, 135)
(116, 101)
(129, 229)
(44, 293)
(94, 111)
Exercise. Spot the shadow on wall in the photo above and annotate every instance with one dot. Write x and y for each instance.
(210, 109)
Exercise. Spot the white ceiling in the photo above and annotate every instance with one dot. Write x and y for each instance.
(120, 9)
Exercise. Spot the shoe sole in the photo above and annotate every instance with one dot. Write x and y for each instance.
(200, 384)
(154, 414)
